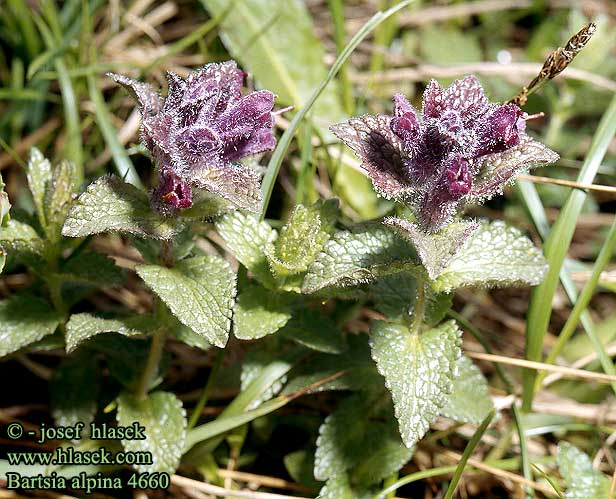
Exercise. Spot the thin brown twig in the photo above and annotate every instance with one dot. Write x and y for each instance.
(187, 483)
(567, 183)
(262, 480)
(529, 364)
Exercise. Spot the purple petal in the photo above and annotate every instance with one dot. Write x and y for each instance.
(500, 130)
(433, 100)
(458, 177)
(381, 153)
(199, 145)
(439, 204)
(218, 84)
(404, 122)
(258, 142)
(467, 98)
(172, 193)
(149, 100)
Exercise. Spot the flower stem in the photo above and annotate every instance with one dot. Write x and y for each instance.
(420, 309)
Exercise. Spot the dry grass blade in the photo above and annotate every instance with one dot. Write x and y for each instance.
(261, 480)
(188, 483)
(568, 183)
(540, 366)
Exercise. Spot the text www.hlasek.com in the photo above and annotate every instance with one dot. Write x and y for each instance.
(69, 455)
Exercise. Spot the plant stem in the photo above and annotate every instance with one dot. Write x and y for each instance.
(151, 366)
(420, 309)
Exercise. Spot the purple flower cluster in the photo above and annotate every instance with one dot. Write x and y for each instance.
(461, 149)
(200, 131)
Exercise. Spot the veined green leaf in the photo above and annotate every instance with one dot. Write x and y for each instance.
(199, 291)
(419, 371)
(91, 267)
(82, 327)
(74, 390)
(355, 439)
(25, 319)
(38, 171)
(260, 312)
(435, 250)
(470, 401)
(359, 256)
(164, 419)
(583, 481)
(112, 205)
(302, 238)
(496, 255)
(247, 237)
(59, 195)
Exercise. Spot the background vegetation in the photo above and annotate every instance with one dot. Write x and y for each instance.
(53, 95)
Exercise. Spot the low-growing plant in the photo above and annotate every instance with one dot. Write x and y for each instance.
(215, 268)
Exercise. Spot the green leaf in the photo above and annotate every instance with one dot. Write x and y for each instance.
(38, 171)
(200, 293)
(314, 330)
(435, 250)
(91, 267)
(359, 371)
(82, 327)
(419, 371)
(21, 238)
(359, 256)
(187, 336)
(125, 357)
(59, 196)
(2, 258)
(496, 255)
(394, 296)
(247, 237)
(260, 312)
(355, 439)
(276, 43)
(300, 467)
(25, 319)
(5, 205)
(339, 487)
(112, 205)
(74, 389)
(302, 238)
(583, 481)
(256, 362)
(164, 419)
(470, 401)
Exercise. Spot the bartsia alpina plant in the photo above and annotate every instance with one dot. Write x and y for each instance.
(461, 149)
(198, 134)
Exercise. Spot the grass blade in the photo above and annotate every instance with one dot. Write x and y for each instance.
(453, 485)
(123, 164)
(556, 247)
(285, 141)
